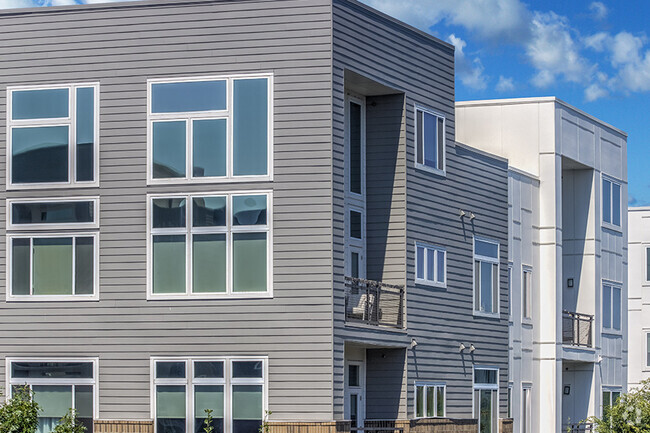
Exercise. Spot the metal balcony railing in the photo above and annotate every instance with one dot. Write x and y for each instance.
(578, 428)
(577, 329)
(374, 303)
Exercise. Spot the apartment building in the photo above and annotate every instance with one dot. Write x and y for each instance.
(639, 304)
(568, 256)
(248, 206)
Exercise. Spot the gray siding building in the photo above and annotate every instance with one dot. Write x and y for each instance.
(245, 206)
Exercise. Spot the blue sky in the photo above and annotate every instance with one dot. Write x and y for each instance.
(594, 55)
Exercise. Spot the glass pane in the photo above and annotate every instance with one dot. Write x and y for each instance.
(356, 157)
(247, 369)
(169, 149)
(419, 401)
(355, 225)
(250, 127)
(84, 266)
(419, 138)
(477, 285)
(169, 264)
(168, 212)
(431, 264)
(54, 400)
(486, 249)
(209, 211)
(495, 288)
(354, 409)
(486, 287)
(485, 419)
(209, 141)
(170, 405)
(52, 273)
(616, 204)
(249, 210)
(52, 370)
(616, 308)
(249, 262)
(647, 264)
(208, 397)
(209, 263)
(211, 369)
(525, 295)
(440, 401)
(83, 398)
(85, 133)
(419, 265)
(485, 376)
(246, 408)
(441, 142)
(189, 96)
(430, 140)
(170, 369)
(353, 375)
(441, 267)
(607, 306)
(431, 396)
(39, 154)
(647, 347)
(52, 212)
(607, 201)
(615, 397)
(354, 265)
(606, 399)
(39, 104)
(20, 267)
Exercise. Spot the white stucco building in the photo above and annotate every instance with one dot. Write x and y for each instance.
(639, 296)
(568, 255)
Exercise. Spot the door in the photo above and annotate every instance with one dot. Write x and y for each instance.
(355, 394)
(355, 187)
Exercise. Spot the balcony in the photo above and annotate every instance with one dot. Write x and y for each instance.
(577, 329)
(579, 428)
(374, 303)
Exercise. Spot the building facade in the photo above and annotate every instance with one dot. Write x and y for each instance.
(568, 237)
(246, 206)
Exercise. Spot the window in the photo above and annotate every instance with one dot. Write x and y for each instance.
(429, 400)
(647, 263)
(234, 389)
(526, 410)
(527, 292)
(430, 139)
(210, 129)
(486, 388)
(609, 399)
(611, 307)
(47, 265)
(486, 276)
(611, 202)
(58, 385)
(510, 299)
(509, 409)
(53, 135)
(647, 349)
(210, 245)
(430, 265)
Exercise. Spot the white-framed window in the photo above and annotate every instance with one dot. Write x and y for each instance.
(58, 385)
(53, 249)
(210, 245)
(234, 388)
(509, 409)
(526, 409)
(647, 263)
(430, 140)
(611, 198)
(612, 307)
(210, 129)
(647, 349)
(430, 399)
(53, 136)
(486, 276)
(527, 292)
(610, 396)
(430, 265)
(486, 398)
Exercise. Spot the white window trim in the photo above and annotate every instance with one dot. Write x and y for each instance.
(510, 291)
(425, 383)
(425, 281)
(70, 121)
(9, 381)
(10, 297)
(527, 269)
(485, 386)
(646, 364)
(59, 226)
(611, 225)
(220, 114)
(496, 261)
(611, 330)
(424, 167)
(189, 383)
(528, 410)
(188, 230)
(646, 276)
(609, 389)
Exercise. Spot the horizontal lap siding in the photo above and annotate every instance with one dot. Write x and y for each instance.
(122, 47)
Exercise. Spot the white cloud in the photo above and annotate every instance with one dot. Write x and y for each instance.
(470, 72)
(10, 4)
(505, 84)
(599, 10)
(595, 91)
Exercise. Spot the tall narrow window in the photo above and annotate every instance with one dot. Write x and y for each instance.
(647, 263)
(53, 135)
(486, 276)
(526, 411)
(611, 198)
(430, 265)
(647, 350)
(486, 386)
(430, 139)
(611, 307)
(429, 400)
(356, 148)
(526, 291)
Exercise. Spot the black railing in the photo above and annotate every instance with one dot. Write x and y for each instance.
(584, 427)
(577, 329)
(374, 302)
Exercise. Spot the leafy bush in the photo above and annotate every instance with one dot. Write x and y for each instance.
(19, 414)
(629, 414)
(70, 424)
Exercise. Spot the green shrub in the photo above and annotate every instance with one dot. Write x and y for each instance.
(70, 424)
(629, 414)
(19, 414)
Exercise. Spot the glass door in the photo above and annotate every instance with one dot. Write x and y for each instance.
(355, 187)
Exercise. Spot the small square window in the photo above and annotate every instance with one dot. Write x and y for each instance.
(430, 265)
